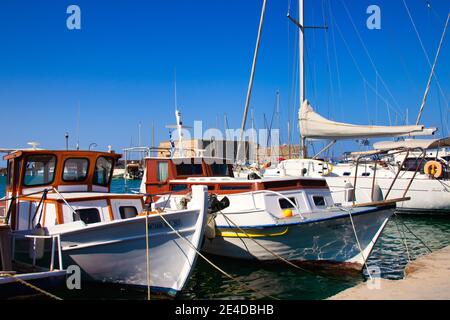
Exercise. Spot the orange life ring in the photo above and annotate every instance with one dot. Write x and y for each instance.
(267, 165)
(433, 168)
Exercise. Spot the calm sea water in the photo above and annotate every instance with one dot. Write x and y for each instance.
(282, 281)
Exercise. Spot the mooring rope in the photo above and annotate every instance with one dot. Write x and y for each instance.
(212, 264)
(407, 228)
(277, 255)
(147, 256)
(403, 238)
(261, 245)
(357, 240)
(25, 283)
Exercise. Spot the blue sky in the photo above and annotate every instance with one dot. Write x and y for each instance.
(120, 66)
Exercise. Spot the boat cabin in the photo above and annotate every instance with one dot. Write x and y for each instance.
(72, 185)
(176, 175)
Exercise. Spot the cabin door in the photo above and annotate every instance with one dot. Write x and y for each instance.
(12, 185)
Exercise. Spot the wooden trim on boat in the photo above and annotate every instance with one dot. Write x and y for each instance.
(59, 213)
(111, 214)
(382, 203)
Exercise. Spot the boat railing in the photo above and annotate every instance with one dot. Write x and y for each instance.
(56, 249)
(382, 154)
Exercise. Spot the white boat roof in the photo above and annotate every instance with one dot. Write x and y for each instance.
(234, 180)
(189, 159)
(83, 195)
(412, 144)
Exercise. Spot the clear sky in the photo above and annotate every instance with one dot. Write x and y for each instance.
(120, 66)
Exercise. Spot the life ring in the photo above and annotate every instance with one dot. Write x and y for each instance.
(327, 168)
(433, 168)
(267, 165)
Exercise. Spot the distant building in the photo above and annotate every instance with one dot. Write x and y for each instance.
(226, 149)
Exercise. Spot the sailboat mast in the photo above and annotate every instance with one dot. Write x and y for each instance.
(250, 84)
(301, 43)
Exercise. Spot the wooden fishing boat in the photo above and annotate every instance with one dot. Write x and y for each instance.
(110, 236)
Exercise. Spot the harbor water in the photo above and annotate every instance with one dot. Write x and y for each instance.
(404, 237)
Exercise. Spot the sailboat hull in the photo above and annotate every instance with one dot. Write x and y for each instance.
(428, 196)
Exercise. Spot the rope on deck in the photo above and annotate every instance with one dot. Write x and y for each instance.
(277, 255)
(349, 211)
(25, 283)
(214, 265)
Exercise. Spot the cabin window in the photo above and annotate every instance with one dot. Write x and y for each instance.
(346, 173)
(319, 201)
(128, 212)
(163, 171)
(178, 187)
(365, 174)
(285, 204)
(189, 169)
(75, 169)
(9, 177)
(231, 187)
(88, 216)
(220, 170)
(39, 170)
(103, 171)
(412, 164)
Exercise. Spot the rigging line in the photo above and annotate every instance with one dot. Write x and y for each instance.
(310, 58)
(289, 74)
(360, 72)
(422, 46)
(367, 102)
(311, 75)
(272, 252)
(330, 17)
(407, 228)
(432, 72)
(441, 111)
(211, 263)
(331, 99)
(403, 239)
(369, 56)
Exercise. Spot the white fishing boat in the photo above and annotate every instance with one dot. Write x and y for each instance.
(269, 218)
(111, 237)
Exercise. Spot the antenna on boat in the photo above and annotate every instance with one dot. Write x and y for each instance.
(179, 124)
(153, 134)
(139, 134)
(33, 144)
(78, 127)
(67, 140)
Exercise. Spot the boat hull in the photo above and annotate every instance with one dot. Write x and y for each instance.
(428, 196)
(330, 240)
(116, 253)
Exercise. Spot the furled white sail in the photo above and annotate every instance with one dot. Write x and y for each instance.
(411, 144)
(314, 126)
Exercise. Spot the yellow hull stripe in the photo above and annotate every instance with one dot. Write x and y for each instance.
(233, 234)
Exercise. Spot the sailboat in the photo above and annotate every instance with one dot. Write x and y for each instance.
(429, 192)
(366, 179)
